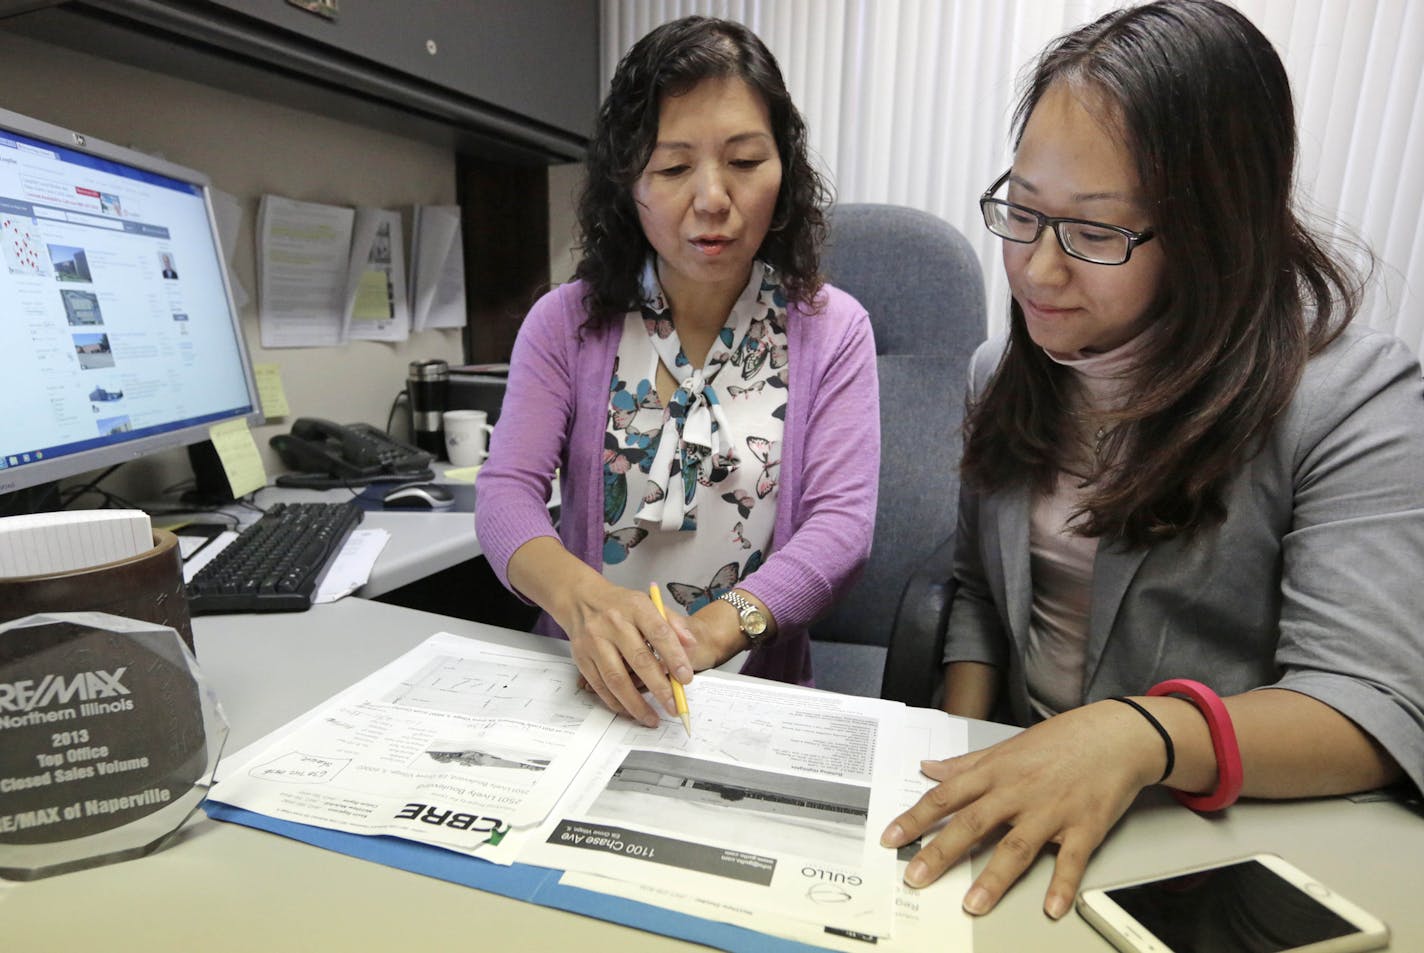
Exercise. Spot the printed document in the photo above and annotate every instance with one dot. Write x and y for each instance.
(774, 804)
(375, 310)
(453, 744)
(769, 814)
(931, 918)
(303, 254)
(437, 265)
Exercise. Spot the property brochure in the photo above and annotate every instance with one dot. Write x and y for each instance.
(770, 813)
(455, 743)
(931, 918)
(775, 804)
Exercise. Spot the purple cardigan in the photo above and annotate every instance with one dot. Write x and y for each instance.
(555, 414)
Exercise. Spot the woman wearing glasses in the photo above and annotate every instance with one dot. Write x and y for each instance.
(1193, 522)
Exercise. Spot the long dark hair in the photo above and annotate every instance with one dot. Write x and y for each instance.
(670, 61)
(1248, 294)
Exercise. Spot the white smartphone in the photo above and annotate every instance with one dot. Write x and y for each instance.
(1256, 904)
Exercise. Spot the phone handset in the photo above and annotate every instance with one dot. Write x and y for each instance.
(320, 446)
(348, 451)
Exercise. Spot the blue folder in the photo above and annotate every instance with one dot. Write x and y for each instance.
(520, 881)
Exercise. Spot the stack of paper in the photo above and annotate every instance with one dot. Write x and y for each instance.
(767, 818)
(44, 543)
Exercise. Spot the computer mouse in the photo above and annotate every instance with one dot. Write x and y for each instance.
(419, 496)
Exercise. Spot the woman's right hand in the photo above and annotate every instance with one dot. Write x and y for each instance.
(621, 644)
(1063, 781)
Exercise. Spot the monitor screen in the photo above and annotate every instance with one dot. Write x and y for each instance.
(118, 334)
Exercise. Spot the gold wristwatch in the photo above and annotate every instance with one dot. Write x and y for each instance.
(749, 617)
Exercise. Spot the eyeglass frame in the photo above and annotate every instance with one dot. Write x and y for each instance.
(1046, 221)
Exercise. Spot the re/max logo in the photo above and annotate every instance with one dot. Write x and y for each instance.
(56, 690)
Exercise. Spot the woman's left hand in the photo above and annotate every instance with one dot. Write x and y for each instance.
(1065, 781)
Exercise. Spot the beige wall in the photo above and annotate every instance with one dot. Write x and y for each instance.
(564, 183)
(248, 147)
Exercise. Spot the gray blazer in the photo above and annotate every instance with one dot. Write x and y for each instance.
(1314, 582)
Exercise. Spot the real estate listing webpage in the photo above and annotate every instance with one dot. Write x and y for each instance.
(114, 317)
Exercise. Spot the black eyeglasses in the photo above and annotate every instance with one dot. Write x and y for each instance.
(1095, 242)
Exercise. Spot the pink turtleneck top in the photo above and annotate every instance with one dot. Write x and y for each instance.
(1061, 561)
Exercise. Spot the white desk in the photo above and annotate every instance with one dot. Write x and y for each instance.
(422, 542)
(224, 887)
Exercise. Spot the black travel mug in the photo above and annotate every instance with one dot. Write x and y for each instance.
(425, 386)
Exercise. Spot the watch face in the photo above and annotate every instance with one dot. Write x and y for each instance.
(754, 623)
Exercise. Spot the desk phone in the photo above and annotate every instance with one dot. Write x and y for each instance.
(329, 454)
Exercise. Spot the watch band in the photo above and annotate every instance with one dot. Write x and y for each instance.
(747, 612)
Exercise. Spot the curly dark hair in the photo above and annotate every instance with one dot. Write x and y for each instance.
(670, 61)
(1249, 292)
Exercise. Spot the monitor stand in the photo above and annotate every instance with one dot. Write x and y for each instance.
(210, 486)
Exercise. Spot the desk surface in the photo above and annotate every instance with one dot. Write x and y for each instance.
(224, 887)
(422, 542)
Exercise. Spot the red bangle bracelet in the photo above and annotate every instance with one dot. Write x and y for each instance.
(1229, 773)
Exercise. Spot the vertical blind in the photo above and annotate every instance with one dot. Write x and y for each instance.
(908, 102)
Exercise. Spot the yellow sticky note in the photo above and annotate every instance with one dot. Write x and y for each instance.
(240, 459)
(373, 297)
(463, 474)
(270, 391)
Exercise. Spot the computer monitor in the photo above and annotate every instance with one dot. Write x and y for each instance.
(118, 334)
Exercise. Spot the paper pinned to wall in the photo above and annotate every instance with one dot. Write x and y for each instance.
(227, 210)
(376, 306)
(303, 259)
(437, 256)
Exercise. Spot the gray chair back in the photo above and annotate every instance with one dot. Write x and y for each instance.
(923, 286)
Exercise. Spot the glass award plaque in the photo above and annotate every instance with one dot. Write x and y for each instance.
(109, 736)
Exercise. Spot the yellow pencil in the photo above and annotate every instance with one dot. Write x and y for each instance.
(678, 695)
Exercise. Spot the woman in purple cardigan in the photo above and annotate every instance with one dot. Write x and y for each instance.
(711, 405)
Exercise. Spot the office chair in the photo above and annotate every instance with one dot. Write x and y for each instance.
(923, 286)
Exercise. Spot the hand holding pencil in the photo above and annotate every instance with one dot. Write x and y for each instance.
(679, 696)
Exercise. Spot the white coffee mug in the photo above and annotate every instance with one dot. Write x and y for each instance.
(466, 436)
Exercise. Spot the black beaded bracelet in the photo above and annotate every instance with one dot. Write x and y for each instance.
(1166, 738)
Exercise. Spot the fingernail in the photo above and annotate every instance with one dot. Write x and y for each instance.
(1056, 906)
(892, 837)
(683, 674)
(976, 901)
(917, 874)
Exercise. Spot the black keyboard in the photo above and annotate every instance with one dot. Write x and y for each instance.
(275, 564)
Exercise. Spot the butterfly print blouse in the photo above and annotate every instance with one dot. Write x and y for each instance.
(690, 488)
